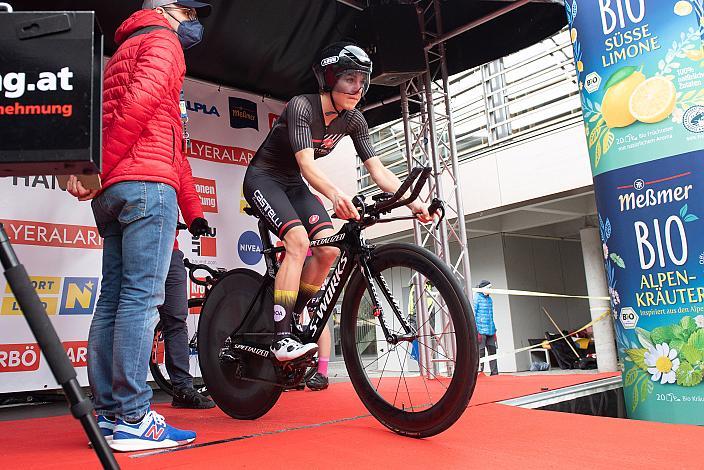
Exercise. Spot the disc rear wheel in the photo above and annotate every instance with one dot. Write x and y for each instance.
(242, 384)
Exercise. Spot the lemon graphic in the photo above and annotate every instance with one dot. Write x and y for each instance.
(695, 54)
(683, 8)
(614, 106)
(573, 35)
(653, 100)
(580, 66)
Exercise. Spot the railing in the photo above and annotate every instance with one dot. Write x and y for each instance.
(515, 98)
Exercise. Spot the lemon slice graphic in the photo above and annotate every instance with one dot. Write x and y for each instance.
(653, 100)
(683, 8)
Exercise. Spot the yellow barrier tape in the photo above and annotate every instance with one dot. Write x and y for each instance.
(486, 359)
(535, 294)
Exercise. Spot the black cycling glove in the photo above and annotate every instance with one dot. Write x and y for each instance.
(199, 227)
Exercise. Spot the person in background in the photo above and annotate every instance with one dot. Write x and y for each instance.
(174, 312)
(484, 317)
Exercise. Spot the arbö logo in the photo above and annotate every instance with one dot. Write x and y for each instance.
(249, 248)
(19, 357)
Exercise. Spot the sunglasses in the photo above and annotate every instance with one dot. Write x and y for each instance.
(190, 12)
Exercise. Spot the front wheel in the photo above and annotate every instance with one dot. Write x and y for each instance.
(419, 383)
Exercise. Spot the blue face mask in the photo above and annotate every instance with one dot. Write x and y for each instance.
(190, 33)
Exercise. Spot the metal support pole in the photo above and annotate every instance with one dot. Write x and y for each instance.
(50, 344)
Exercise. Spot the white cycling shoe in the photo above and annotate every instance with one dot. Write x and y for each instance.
(287, 349)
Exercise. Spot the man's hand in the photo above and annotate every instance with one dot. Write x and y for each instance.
(199, 227)
(76, 189)
(420, 210)
(344, 209)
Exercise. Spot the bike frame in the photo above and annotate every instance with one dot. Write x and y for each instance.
(355, 253)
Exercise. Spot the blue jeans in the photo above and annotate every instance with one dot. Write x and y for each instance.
(137, 220)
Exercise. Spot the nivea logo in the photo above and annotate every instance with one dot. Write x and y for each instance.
(249, 248)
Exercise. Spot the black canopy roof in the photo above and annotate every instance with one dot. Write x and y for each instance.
(267, 46)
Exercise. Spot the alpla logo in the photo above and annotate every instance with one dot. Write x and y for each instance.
(77, 297)
(206, 246)
(202, 108)
(207, 193)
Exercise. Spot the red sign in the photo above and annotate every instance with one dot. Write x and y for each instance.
(272, 119)
(77, 352)
(29, 232)
(220, 153)
(208, 246)
(196, 292)
(208, 194)
(19, 357)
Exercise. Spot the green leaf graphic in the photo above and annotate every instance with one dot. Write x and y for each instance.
(697, 339)
(638, 357)
(631, 377)
(688, 376)
(635, 399)
(692, 354)
(618, 260)
(662, 334)
(688, 325)
(619, 76)
(644, 338)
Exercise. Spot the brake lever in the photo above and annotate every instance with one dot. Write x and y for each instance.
(435, 206)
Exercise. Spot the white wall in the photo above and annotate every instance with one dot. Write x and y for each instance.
(550, 266)
(487, 255)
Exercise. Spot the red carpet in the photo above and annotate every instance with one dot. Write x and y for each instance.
(317, 430)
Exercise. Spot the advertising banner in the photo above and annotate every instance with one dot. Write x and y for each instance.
(640, 71)
(56, 239)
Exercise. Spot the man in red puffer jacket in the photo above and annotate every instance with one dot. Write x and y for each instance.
(144, 168)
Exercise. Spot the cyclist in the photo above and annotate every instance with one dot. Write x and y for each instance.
(310, 127)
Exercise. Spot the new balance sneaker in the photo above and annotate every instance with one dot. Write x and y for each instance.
(150, 433)
(288, 349)
(191, 398)
(106, 426)
(317, 382)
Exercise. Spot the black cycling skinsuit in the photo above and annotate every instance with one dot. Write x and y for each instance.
(273, 182)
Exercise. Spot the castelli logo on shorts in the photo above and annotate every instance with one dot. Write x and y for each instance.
(19, 357)
(279, 313)
(313, 219)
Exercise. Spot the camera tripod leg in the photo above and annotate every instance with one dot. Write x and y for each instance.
(50, 344)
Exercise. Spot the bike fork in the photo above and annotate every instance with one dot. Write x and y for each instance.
(391, 338)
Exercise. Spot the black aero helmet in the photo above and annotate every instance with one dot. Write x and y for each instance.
(339, 58)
